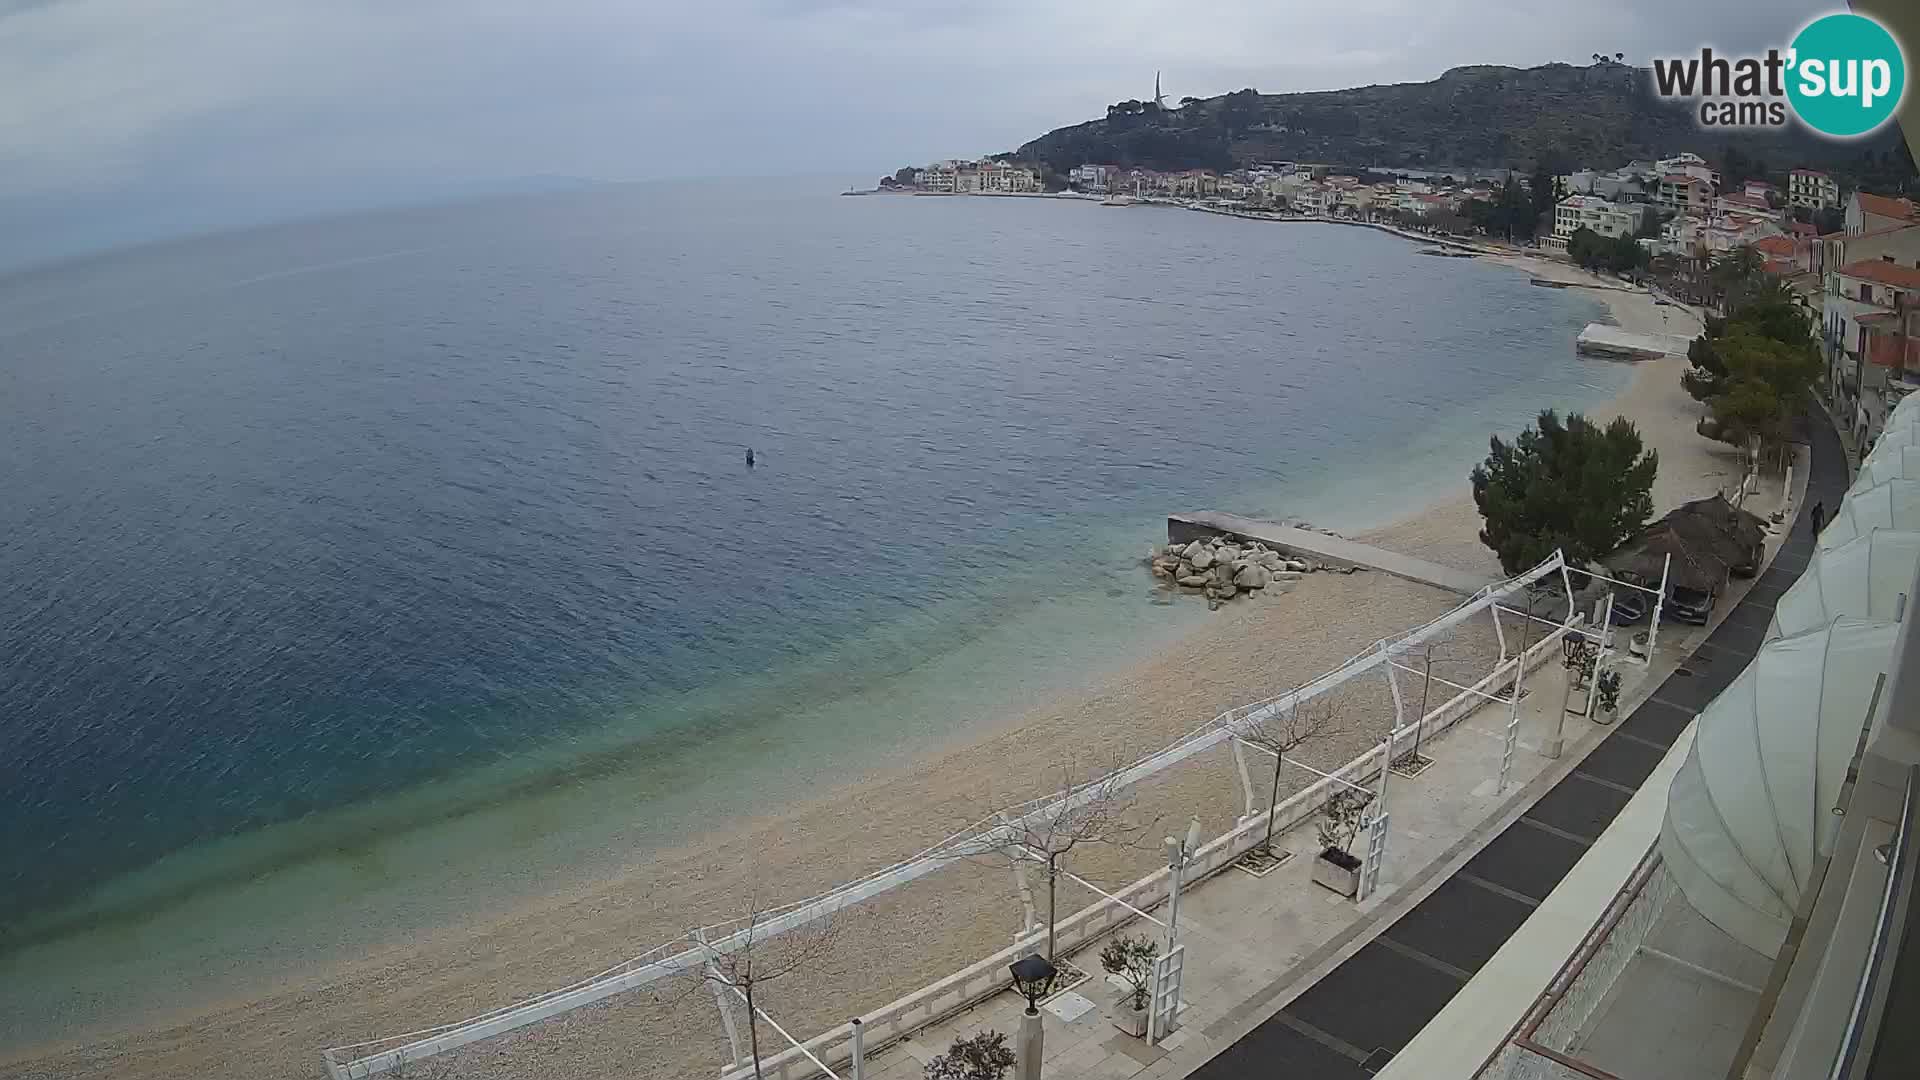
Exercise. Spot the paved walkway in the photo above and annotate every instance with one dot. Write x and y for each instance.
(1350, 1023)
(1331, 550)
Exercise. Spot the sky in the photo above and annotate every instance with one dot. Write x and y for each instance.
(123, 120)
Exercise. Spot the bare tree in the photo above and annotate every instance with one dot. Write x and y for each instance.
(750, 956)
(1281, 733)
(1091, 812)
(1413, 759)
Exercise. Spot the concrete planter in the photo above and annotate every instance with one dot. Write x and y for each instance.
(1338, 871)
(1129, 1019)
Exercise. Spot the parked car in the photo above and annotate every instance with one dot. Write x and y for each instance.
(1630, 606)
(1693, 606)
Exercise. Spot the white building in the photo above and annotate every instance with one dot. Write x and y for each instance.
(1007, 179)
(1097, 178)
(1812, 189)
(1578, 212)
(1684, 193)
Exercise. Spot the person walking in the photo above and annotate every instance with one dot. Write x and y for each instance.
(1819, 517)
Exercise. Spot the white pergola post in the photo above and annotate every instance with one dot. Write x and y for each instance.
(1030, 916)
(1393, 684)
(859, 1040)
(1377, 826)
(1499, 633)
(1659, 602)
(1513, 723)
(718, 985)
(1246, 778)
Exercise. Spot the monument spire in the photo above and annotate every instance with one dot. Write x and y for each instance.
(1159, 98)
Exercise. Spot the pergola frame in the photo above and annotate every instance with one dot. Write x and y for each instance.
(358, 1061)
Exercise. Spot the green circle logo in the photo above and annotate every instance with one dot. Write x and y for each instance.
(1848, 75)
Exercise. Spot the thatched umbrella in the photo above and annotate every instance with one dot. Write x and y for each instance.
(1695, 565)
(1735, 536)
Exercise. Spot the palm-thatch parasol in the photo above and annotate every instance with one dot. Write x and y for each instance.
(1735, 536)
(1695, 564)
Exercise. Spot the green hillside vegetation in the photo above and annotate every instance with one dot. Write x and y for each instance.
(1558, 116)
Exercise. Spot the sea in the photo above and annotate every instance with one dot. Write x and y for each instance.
(362, 575)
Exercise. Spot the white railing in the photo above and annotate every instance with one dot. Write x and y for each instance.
(366, 1059)
(935, 1002)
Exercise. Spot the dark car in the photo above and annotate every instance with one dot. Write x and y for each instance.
(1692, 606)
(1630, 606)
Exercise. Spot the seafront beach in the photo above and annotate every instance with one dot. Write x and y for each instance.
(1253, 649)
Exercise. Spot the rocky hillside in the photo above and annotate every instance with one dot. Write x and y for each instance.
(1471, 117)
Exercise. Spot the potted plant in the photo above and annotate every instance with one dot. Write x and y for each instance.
(1608, 694)
(1131, 959)
(985, 1056)
(1336, 867)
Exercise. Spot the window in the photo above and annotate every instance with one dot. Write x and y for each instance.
(1866, 293)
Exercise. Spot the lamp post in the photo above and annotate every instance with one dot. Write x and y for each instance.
(1033, 976)
(1178, 852)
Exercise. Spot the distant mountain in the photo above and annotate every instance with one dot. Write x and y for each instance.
(1559, 115)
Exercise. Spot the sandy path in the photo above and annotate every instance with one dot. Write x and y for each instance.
(1253, 649)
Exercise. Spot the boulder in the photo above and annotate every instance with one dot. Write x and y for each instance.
(1192, 549)
(1251, 577)
(1162, 570)
(1194, 581)
(1270, 559)
(1298, 566)
(1287, 575)
(1201, 558)
(1223, 574)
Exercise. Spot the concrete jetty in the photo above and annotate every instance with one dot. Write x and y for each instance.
(1321, 548)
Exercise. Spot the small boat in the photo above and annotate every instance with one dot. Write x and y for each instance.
(1117, 200)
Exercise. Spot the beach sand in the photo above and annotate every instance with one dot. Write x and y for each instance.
(1255, 648)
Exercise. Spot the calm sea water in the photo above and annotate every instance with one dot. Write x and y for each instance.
(338, 532)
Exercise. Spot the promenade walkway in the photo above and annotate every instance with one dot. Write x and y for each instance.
(1321, 548)
(1350, 1023)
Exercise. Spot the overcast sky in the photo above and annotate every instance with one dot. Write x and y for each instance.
(121, 118)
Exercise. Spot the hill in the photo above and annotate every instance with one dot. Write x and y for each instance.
(1558, 115)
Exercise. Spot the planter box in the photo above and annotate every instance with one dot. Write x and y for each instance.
(1331, 869)
(1129, 1019)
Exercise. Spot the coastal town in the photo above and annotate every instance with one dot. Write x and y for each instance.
(1852, 256)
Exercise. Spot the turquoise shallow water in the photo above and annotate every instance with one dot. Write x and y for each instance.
(392, 566)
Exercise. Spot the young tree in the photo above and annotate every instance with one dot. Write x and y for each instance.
(1132, 960)
(1280, 734)
(1582, 489)
(1074, 815)
(757, 958)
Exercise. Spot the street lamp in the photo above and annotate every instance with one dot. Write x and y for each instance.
(1178, 852)
(1033, 977)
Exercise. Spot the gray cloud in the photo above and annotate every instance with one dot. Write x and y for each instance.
(133, 107)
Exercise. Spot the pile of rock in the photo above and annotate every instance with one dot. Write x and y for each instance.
(1223, 567)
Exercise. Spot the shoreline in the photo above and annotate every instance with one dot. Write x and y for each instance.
(455, 971)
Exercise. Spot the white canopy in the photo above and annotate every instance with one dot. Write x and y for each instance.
(1907, 412)
(1893, 504)
(1888, 462)
(1863, 577)
(1751, 807)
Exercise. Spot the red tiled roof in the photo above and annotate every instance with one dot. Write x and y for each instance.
(1882, 206)
(1808, 172)
(1802, 228)
(1886, 273)
(1776, 245)
(1681, 178)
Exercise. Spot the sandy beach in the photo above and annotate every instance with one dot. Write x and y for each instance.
(1253, 649)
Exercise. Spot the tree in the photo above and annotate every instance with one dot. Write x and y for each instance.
(749, 958)
(1596, 252)
(1072, 816)
(1281, 733)
(1542, 189)
(1575, 487)
(983, 1056)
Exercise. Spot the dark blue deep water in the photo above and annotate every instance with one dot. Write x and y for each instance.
(301, 517)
